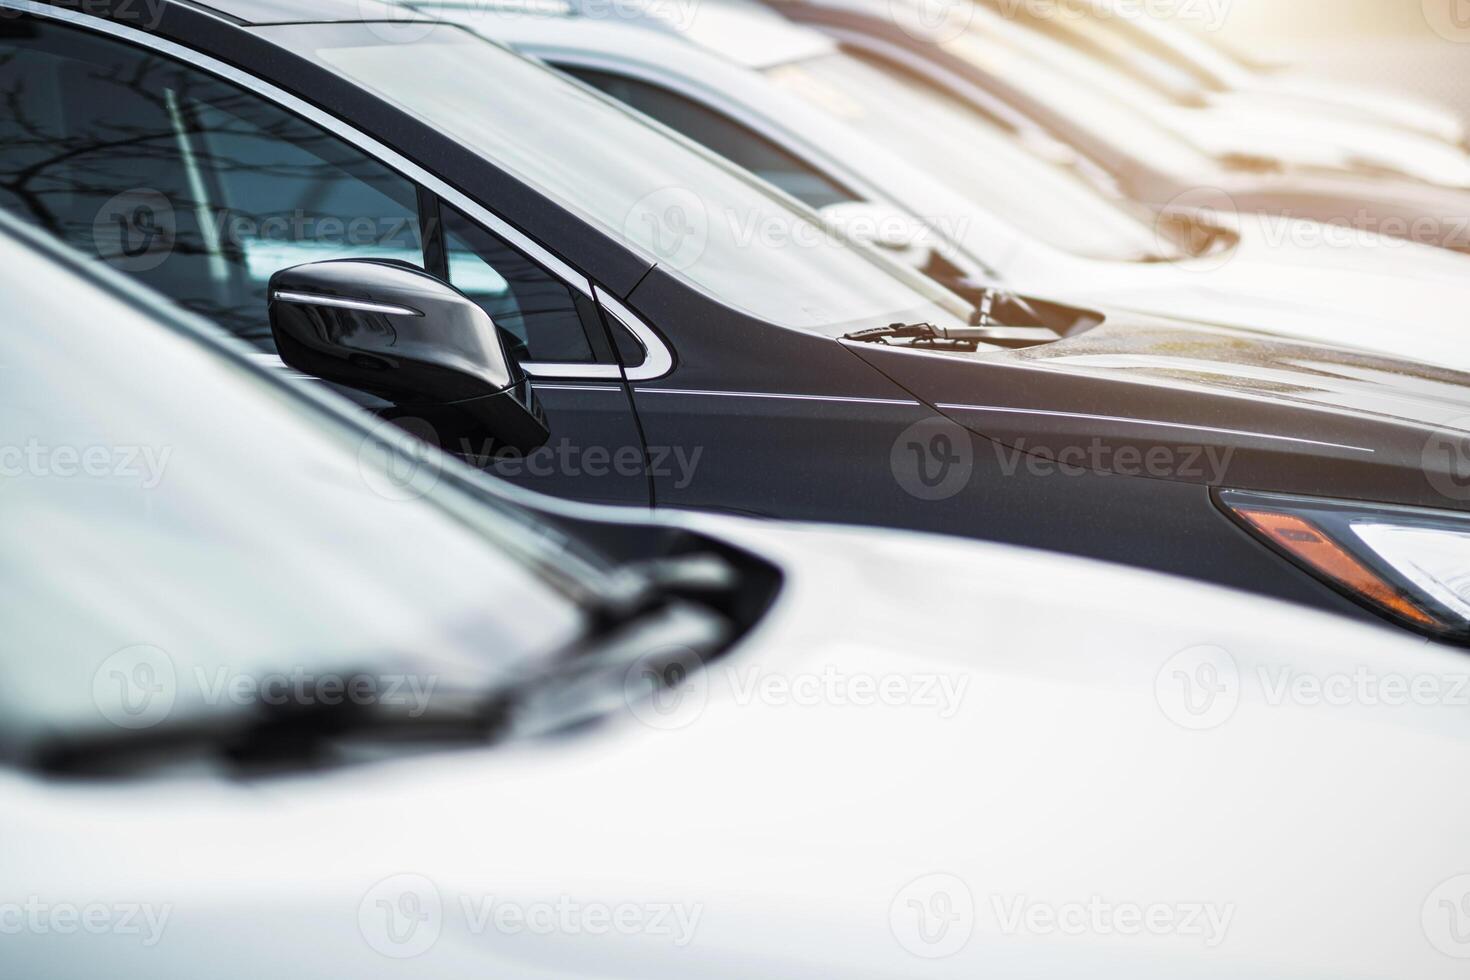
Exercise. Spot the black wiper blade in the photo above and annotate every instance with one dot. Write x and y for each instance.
(964, 338)
(288, 734)
(895, 331)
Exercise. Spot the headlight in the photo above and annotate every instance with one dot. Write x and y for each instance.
(1410, 563)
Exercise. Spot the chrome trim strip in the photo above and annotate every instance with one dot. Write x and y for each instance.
(1153, 422)
(332, 124)
(316, 299)
(770, 394)
(546, 387)
(658, 360)
(548, 369)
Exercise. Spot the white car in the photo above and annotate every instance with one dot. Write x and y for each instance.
(884, 152)
(288, 697)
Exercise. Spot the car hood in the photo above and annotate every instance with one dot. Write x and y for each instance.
(1304, 279)
(1286, 414)
(770, 819)
(1384, 107)
(1251, 127)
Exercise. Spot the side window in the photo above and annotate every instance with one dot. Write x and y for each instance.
(721, 134)
(194, 186)
(534, 308)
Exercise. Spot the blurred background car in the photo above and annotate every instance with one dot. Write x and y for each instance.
(1101, 115)
(974, 199)
(276, 704)
(1203, 69)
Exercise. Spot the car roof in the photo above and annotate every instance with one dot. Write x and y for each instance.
(260, 12)
(744, 32)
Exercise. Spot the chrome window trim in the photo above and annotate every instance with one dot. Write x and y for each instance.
(372, 147)
(658, 360)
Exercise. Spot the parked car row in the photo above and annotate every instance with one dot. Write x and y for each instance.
(554, 490)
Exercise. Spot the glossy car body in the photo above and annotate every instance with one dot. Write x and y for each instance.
(1217, 71)
(1106, 443)
(893, 756)
(1116, 52)
(1156, 165)
(767, 94)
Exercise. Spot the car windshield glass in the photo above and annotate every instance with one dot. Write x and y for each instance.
(723, 230)
(1036, 186)
(181, 535)
(1123, 46)
(1097, 112)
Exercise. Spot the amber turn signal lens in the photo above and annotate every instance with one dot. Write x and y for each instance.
(1301, 539)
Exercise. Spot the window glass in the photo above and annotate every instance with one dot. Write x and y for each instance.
(197, 188)
(721, 229)
(723, 135)
(1036, 188)
(535, 309)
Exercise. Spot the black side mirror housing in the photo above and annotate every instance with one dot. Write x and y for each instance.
(397, 333)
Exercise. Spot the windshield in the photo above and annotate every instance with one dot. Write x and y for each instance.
(1039, 187)
(1098, 112)
(1122, 44)
(178, 533)
(721, 229)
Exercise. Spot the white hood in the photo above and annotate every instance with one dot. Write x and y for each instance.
(1298, 278)
(1068, 776)
(1252, 126)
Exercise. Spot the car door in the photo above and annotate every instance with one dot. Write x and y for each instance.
(202, 189)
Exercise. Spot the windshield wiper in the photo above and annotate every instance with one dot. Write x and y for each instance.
(954, 338)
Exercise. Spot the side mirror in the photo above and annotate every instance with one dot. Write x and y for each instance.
(395, 332)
